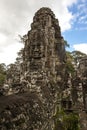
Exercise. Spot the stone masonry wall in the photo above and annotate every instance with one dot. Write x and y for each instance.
(42, 75)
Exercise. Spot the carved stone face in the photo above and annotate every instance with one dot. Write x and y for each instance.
(45, 20)
(36, 45)
(35, 51)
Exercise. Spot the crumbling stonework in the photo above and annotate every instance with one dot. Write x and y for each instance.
(42, 85)
(43, 59)
(21, 112)
(82, 72)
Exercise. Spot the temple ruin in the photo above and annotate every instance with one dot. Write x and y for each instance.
(43, 85)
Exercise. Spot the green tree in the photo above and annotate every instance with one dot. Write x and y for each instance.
(70, 63)
(73, 59)
(66, 121)
(13, 73)
(2, 74)
(19, 58)
(77, 55)
(66, 43)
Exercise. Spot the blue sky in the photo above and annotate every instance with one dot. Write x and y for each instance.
(17, 15)
(77, 35)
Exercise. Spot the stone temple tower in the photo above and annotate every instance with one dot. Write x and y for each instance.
(42, 78)
(44, 60)
(44, 52)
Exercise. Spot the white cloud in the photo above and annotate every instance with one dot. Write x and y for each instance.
(69, 2)
(9, 54)
(16, 14)
(16, 17)
(3, 38)
(81, 47)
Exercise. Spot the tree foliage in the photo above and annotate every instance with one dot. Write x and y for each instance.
(66, 121)
(2, 74)
(73, 59)
(66, 43)
(70, 63)
(77, 55)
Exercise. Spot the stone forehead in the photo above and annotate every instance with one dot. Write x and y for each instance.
(45, 10)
